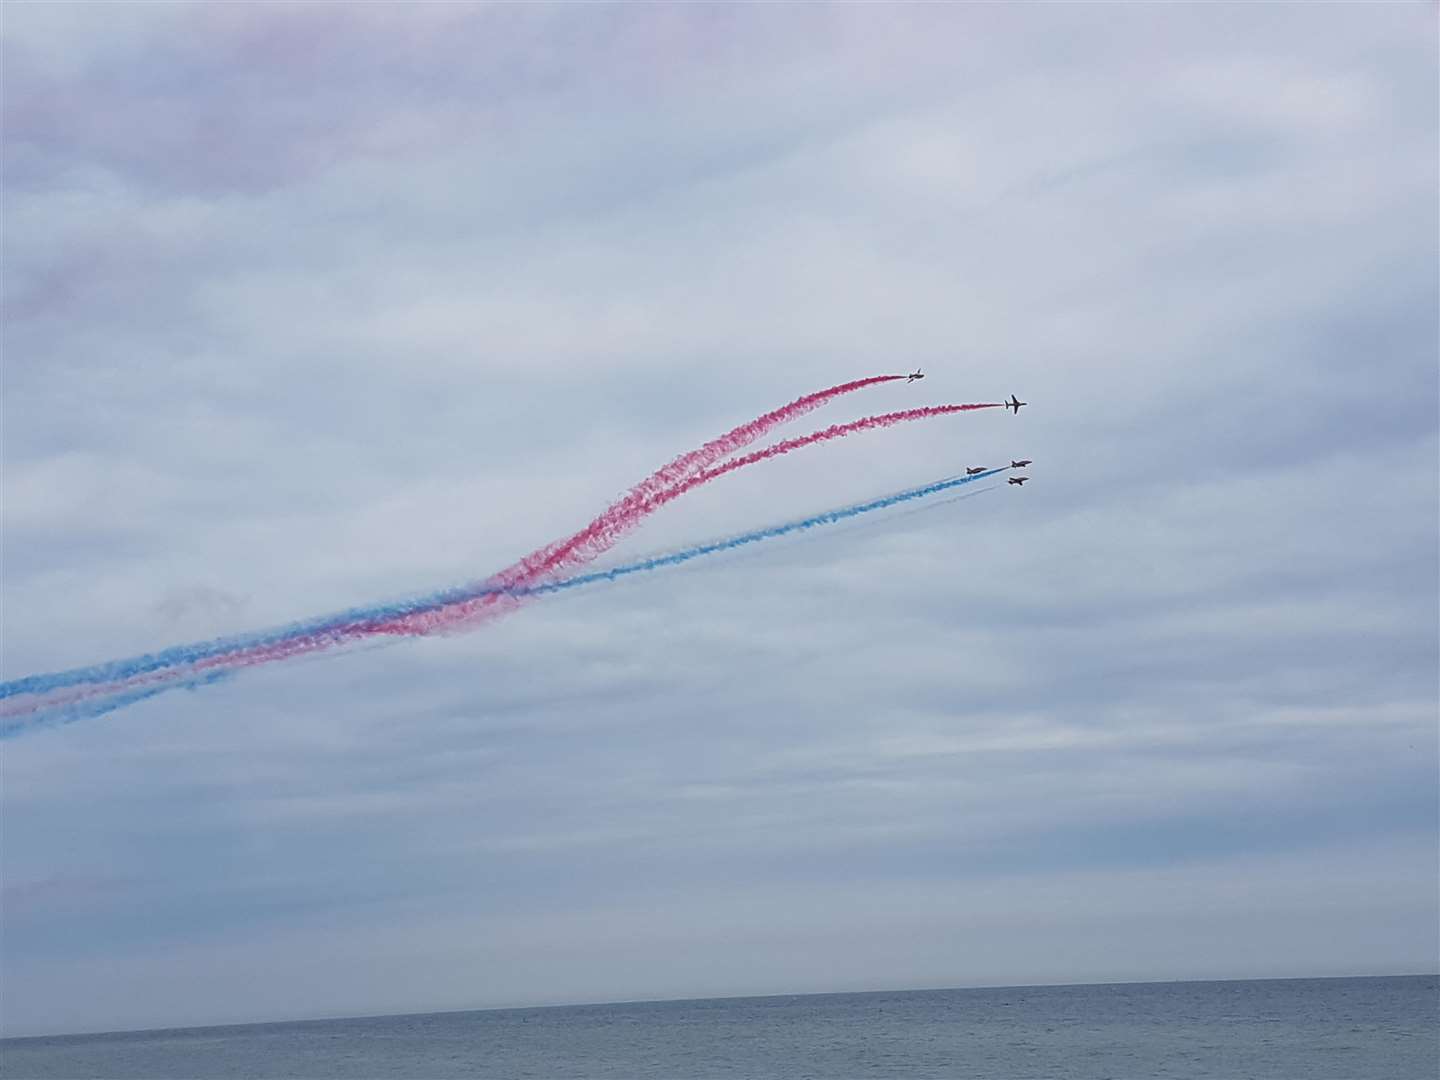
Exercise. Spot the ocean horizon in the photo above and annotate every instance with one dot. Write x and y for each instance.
(1346, 1028)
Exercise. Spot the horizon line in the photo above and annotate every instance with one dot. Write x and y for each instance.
(1435, 974)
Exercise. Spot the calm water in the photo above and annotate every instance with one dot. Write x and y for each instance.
(1348, 1029)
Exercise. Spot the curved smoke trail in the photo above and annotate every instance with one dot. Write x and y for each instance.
(602, 535)
(115, 697)
(554, 556)
(625, 513)
(543, 560)
(462, 608)
(451, 616)
(448, 610)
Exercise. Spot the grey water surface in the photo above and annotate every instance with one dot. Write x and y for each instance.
(1383, 1028)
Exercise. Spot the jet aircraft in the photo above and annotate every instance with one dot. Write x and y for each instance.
(1017, 480)
(1015, 403)
(916, 374)
(1020, 464)
(977, 469)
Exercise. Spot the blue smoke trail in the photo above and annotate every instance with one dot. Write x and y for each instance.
(338, 623)
(829, 517)
(180, 655)
(69, 712)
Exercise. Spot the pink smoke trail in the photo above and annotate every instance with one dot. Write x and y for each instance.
(463, 613)
(620, 516)
(602, 534)
(612, 522)
(557, 555)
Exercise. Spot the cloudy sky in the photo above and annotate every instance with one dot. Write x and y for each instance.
(308, 307)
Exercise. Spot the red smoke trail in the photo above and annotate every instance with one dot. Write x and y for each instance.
(596, 538)
(557, 555)
(606, 530)
(620, 515)
(835, 431)
(612, 523)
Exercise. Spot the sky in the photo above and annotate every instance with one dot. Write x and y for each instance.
(313, 306)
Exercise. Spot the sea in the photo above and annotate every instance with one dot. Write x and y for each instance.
(1384, 1028)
